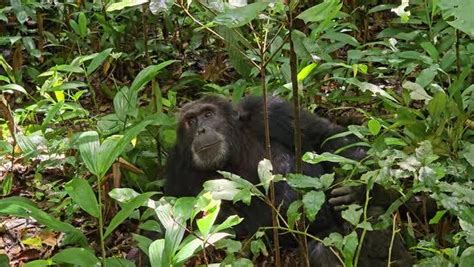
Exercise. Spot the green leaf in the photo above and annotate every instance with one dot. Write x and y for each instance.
(374, 126)
(13, 87)
(88, 143)
(437, 217)
(222, 189)
(437, 105)
(264, 170)
(228, 223)
(148, 74)
(461, 10)
(320, 12)
(123, 4)
(76, 256)
(431, 50)
(66, 86)
(314, 158)
(127, 210)
(467, 257)
(35, 263)
(312, 202)
(82, 25)
(341, 37)
(427, 75)
(156, 251)
(123, 195)
(113, 146)
(207, 221)
(240, 16)
(67, 68)
(416, 91)
(98, 60)
(22, 207)
(352, 214)
(75, 27)
(81, 192)
(303, 181)
(306, 71)
(293, 214)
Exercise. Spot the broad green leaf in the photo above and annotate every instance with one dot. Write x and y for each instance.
(461, 10)
(127, 210)
(228, 223)
(75, 27)
(306, 71)
(88, 144)
(113, 146)
(98, 60)
(148, 74)
(321, 11)
(22, 207)
(125, 3)
(82, 24)
(222, 189)
(312, 202)
(352, 214)
(156, 251)
(349, 248)
(303, 181)
(437, 217)
(374, 126)
(293, 213)
(240, 16)
(142, 242)
(188, 250)
(264, 170)
(123, 195)
(125, 103)
(416, 91)
(427, 75)
(207, 221)
(467, 257)
(76, 256)
(13, 87)
(431, 50)
(81, 192)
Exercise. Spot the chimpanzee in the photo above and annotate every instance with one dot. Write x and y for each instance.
(213, 134)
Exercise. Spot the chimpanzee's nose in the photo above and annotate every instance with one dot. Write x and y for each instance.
(200, 130)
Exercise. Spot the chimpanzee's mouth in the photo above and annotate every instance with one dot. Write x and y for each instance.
(207, 146)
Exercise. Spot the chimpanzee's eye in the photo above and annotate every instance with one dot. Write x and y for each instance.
(191, 121)
(208, 114)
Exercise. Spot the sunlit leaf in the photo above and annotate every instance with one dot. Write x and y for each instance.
(240, 16)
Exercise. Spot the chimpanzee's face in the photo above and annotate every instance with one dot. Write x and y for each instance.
(205, 126)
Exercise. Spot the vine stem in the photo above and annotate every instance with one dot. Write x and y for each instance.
(101, 222)
(268, 152)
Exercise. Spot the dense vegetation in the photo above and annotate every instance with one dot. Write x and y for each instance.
(89, 90)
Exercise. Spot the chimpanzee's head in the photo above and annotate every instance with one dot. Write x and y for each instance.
(207, 126)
